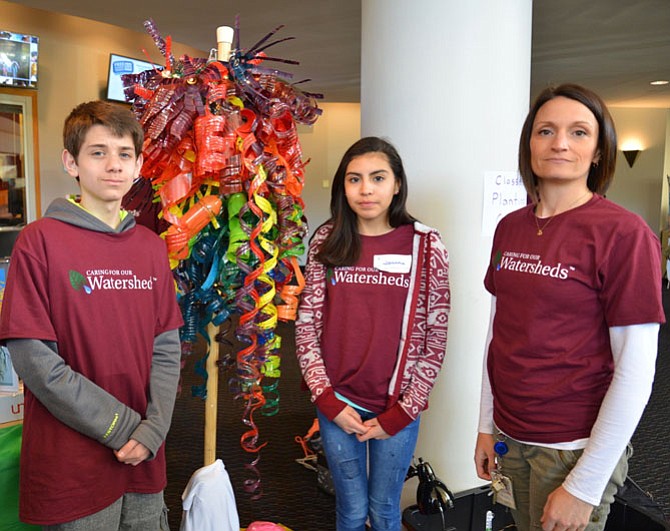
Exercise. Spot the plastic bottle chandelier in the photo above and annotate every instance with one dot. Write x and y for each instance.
(222, 154)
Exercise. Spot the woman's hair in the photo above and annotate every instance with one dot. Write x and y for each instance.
(343, 245)
(602, 172)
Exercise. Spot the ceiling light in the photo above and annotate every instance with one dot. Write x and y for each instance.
(660, 82)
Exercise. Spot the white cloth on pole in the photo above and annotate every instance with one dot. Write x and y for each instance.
(208, 501)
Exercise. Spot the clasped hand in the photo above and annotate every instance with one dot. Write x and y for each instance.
(350, 422)
(132, 453)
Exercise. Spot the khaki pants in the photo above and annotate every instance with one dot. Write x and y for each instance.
(536, 471)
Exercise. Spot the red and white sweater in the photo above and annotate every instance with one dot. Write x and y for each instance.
(423, 339)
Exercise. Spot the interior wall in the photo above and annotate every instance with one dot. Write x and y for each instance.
(665, 178)
(73, 62)
(323, 144)
(640, 188)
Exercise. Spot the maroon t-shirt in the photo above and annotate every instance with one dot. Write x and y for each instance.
(550, 363)
(363, 318)
(103, 297)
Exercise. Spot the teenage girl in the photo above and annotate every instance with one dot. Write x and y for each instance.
(372, 332)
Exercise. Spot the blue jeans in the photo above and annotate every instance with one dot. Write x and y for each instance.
(369, 476)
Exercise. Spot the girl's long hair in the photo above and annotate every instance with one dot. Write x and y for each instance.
(342, 246)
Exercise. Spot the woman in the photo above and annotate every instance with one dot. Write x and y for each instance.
(576, 309)
(371, 332)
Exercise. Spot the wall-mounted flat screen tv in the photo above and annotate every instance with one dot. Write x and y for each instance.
(120, 65)
(18, 59)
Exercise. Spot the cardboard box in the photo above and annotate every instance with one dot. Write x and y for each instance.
(11, 407)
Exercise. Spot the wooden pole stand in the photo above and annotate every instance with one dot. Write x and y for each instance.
(212, 394)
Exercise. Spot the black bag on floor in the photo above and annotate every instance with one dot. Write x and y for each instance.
(315, 458)
(432, 495)
(323, 478)
(634, 509)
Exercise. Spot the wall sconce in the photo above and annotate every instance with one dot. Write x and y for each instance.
(631, 155)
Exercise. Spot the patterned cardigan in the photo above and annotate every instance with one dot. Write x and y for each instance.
(423, 338)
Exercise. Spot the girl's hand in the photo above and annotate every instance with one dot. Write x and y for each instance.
(350, 421)
(374, 431)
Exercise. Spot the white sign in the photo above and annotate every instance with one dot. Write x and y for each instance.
(503, 193)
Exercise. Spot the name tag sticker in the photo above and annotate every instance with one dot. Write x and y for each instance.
(393, 263)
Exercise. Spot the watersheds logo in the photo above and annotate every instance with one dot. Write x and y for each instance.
(109, 280)
(529, 263)
(365, 275)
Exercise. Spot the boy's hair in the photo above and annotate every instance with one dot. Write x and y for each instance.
(118, 119)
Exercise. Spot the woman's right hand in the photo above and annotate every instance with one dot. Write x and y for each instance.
(485, 457)
(350, 421)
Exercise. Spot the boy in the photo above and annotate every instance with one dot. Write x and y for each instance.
(91, 321)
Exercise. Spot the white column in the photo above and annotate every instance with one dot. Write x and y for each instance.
(448, 83)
